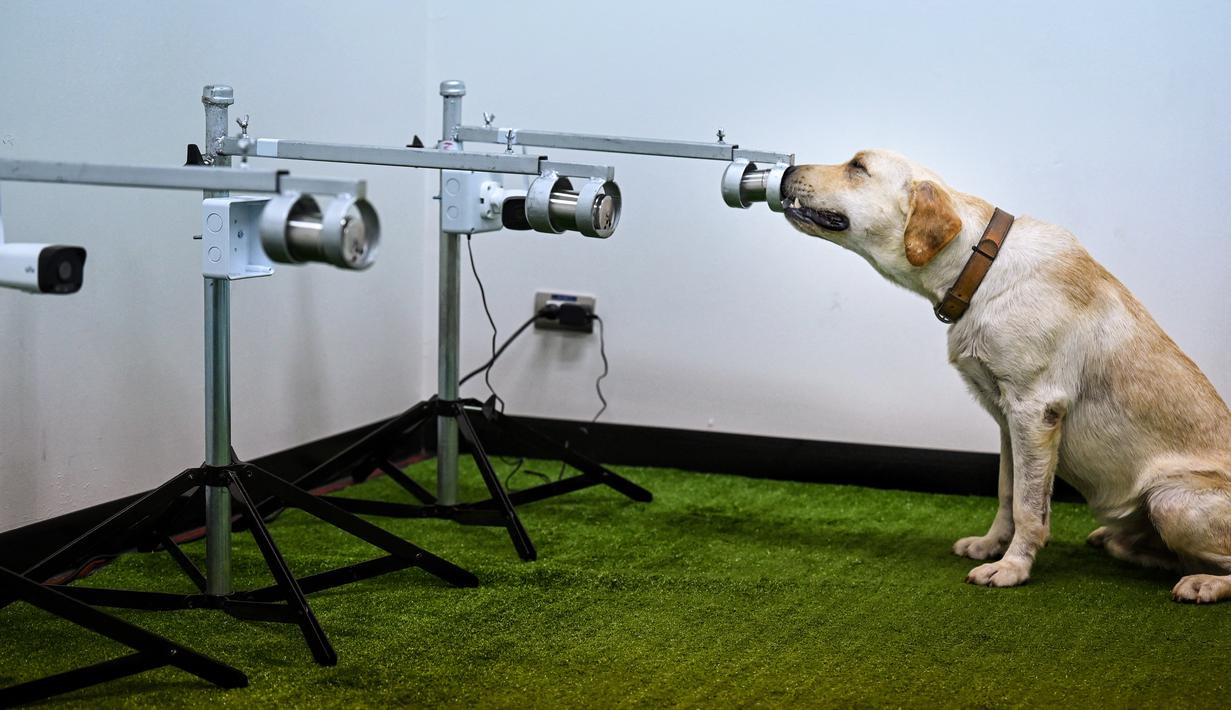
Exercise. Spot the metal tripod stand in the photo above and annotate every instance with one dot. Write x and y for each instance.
(378, 450)
(151, 651)
(452, 415)
(223, 479)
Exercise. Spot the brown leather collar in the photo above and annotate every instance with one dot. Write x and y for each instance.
(957, 299)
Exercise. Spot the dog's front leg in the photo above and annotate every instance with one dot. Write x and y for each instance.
(1034, 432)
(994, 543)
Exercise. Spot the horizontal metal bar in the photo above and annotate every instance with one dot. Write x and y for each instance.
(381, 155)
(429, 158)
(762, 156)
(172, 178)
(605, 144)
(617, 144)
(317, 186)
(605, 172)
(175, 178)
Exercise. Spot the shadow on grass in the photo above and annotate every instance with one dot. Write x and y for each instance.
(899, 541)
(117, 694)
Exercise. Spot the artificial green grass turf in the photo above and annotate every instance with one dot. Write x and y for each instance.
(724, 591)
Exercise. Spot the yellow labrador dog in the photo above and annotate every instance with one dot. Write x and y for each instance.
(1082, 381)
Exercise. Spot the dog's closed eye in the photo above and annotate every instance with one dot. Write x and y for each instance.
(856, 167)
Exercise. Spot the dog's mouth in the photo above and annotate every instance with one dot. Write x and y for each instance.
(828, 220)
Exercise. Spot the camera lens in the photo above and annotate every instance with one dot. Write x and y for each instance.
(60, 269)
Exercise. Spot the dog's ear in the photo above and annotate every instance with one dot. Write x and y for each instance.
(933, 222)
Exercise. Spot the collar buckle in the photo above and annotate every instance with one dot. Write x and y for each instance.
(952, 307)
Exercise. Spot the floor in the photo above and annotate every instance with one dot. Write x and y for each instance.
(724, 591)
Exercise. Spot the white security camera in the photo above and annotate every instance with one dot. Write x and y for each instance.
(41, 268)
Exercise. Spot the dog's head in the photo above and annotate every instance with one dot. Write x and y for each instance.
(894, 213)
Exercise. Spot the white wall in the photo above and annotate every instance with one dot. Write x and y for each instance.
(101, 394)
(1108, 118)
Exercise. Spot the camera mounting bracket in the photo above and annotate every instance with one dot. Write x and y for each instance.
(231, 241)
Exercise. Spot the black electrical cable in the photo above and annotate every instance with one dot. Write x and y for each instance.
(598, 383)
(487, 374)
(486, 367)
(499, 351)
(524, 471)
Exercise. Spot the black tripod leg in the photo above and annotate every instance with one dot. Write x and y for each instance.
(153, 651)
(172, 518)
(118, 526)
(161, 538)
(190, 570)
(356, 452)
(296, 497)
(406, 482)
(581, 463)
(313, 634)
(521, 540)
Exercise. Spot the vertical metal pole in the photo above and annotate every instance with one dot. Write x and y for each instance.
(448, 343)
(217, 372)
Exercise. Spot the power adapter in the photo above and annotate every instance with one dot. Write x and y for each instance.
(564, 311)
(573, 316)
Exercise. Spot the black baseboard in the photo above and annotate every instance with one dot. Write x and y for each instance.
(869, 465)
(929, 470)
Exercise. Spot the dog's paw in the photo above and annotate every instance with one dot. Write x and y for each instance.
(1202, 589)
(980, 547)
(1098, 537)
(1004, 573)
